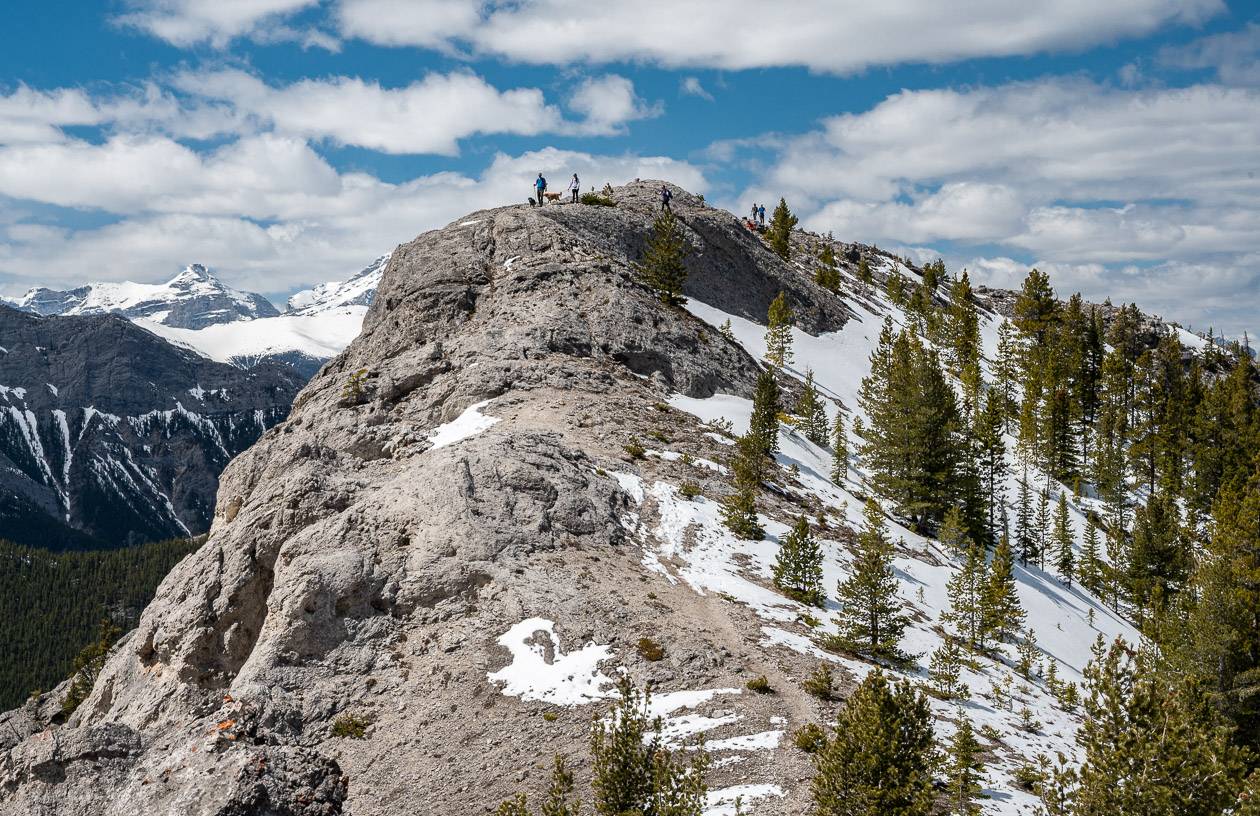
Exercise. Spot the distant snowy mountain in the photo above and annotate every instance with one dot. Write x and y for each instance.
(359, 290)
(193, 299)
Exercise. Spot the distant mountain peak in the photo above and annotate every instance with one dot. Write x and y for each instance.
(357, 290)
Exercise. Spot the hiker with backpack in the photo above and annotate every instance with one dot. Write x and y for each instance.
(666, 195)
(574, 187)
(540, 187)
(761, 213)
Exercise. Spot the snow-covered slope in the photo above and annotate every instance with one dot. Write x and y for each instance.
(688, 543)
(358, 290)
(192, 299)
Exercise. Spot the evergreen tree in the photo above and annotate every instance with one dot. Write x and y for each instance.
(953, 534)
(964, 770)
(633, 771)
(967, 590)
(1092, 565)
(88, 664)
(739, 508)
(895, 284)
(991, 463)
(798, 569)
(827, 274)
(763, 427)
(812, 414)
(779, 332)
(880, 761)
(839, 451)
(963, 333)
(1006, 371)
(1063, 540)
(1036, 313)
(871, 619)
(864, 273)
(663, 268)
(1148, 747)
(1043, 527)
(945, 669)
(780, 232)
(1159, 559)
(1003, 614)
(1025, 535)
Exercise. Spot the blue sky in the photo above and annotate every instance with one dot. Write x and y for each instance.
(287, 142)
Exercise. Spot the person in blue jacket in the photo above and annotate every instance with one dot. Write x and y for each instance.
(540, 187)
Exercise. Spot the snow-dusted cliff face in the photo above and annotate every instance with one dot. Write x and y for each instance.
(109, 435)
(193, 299)
(358, 290)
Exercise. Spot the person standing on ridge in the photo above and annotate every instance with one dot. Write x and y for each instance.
(666, 195)
(761, 214)
(754, 213)
(574, 187)
(540, 187)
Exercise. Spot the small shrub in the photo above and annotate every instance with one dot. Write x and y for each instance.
(550, 716)
(821, 683)
(650, 650)
(354, 390)
(659, 435)
(662, 407)
(597, 200)
(689, 490)
(349, 726)
(1029, 777)
(652, 595)
(810, 738)
(687, 459)
(633, 449)
(759, 684)
(990, 733)
(810, 621)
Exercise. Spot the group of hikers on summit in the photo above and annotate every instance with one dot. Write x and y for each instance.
(541, 196)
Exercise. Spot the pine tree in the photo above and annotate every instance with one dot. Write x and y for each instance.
(967, 590)
(780, 232)
(1003, 614)
(880, 761)
(963, 331)
(839, 451)
(763, 426)
(779, 332)
(827, 274)
(1159, 557)
(559, 791)
(1025, 536)
(945, 669)
(1063, 541)
(88, 664)
(1006, 371)
(953, 534)
(812, 414)
(739, 509)
(991, 463)
(633, 771)
(1149, 748)
(964, 770)
(864, 273)
(1092, 565)
(663, 268)
(798, 569)
(871, 619)
(1043, 527)
(895, 284)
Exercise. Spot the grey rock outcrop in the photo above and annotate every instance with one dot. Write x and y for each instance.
(357, 567)
(111, 435)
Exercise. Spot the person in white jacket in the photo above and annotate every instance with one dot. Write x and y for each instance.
(574, 187)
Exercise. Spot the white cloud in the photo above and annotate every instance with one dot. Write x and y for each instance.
(428, 116)
(825, 35)
(690, 86)
(1234, 55)
(269, 215)
(218, 22)
(607, 103)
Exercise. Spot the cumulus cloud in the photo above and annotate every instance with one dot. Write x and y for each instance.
(292, 221)
(217, 23)
(825, 35)
(1233, 55)
(607, 103)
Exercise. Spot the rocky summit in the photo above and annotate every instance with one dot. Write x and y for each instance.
(451, 489)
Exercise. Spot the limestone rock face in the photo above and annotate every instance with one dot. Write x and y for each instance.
(451, 474)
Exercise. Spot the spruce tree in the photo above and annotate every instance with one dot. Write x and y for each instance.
(991, 463)
(880, 761)
(864, 273)
(1159, 557)
(779, 332)
(827, 274)
(1003, 614)
(1092, 565)
(662, 268)
(1043, 527)
(763, 427)
(1025, 535)
(964, 770)
(798, 569)
(812, 415)
(839, 451)
(1006, 371)
(88, 664)
(1064, 561)
(953, 534)
(780, 232)
(871, 619)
